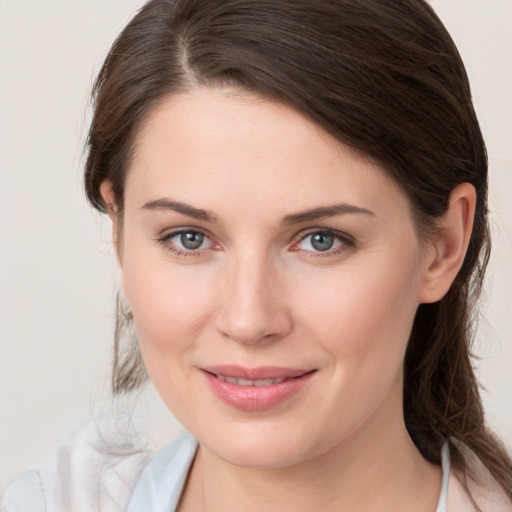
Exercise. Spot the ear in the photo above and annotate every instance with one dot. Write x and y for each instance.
(109, 199)
(448, 248)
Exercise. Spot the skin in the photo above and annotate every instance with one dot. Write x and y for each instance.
(258, 292)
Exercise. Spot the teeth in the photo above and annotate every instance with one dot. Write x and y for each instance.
(249, 382)
(246, 382)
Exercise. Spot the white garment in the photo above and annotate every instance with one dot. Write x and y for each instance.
(94, 469)
(89, 473)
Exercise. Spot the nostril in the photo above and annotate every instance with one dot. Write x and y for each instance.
(253, 309)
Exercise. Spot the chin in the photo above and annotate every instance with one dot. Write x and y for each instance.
(262, 446)
(262, 456)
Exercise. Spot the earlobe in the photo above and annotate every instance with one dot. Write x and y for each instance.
(450, 244)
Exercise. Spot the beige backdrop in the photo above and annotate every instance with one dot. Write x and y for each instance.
(57, 275)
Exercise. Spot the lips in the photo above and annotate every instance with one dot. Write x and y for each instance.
(259, 373)
(255, 389)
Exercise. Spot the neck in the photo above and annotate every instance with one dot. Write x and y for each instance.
(378, 469)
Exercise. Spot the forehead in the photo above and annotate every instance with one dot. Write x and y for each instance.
(210, 145)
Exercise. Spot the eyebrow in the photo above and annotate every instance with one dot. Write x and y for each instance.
(185, 209)
(295, 218)
(325, 211)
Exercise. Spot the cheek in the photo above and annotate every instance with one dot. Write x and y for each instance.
(363, 317)
(362, 321)
(170, 310)
(169, 303)
(376, 295)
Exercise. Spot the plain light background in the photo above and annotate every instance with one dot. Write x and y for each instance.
(57, 270)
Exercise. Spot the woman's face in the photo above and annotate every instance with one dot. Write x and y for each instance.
(273, 275)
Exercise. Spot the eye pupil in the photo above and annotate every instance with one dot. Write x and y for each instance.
(191, 240)
(322, 241)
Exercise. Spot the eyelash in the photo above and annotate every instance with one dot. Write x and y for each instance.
(164, 241)
(346, 242)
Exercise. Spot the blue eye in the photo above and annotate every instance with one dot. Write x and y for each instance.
(190, 240)
(320, 241)
(186, 241)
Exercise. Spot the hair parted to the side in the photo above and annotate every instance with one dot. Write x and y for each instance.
(383, 77)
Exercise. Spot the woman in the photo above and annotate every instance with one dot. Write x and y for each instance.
(298, 199)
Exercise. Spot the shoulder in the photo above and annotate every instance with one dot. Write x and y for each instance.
(95, 468)
(161, 483)
(24, 493)
(486, 492)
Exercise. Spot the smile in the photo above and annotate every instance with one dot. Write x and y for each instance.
(255, 389)
(248, 382)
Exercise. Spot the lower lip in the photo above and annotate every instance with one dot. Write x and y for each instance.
(256, 398)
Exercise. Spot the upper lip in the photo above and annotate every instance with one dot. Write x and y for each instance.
(258, 373)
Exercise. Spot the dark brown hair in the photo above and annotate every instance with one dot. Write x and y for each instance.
(383, 77)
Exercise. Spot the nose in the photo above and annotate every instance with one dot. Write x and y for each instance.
(254, 308)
